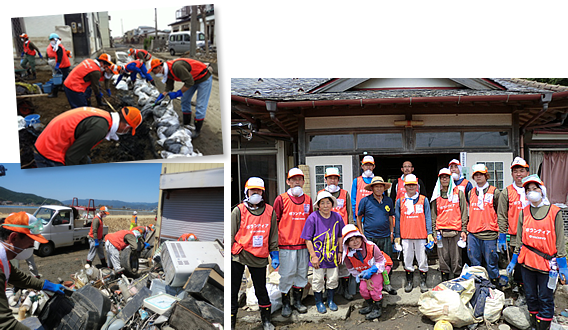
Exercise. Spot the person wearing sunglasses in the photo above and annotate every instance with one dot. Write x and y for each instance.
(17, 235)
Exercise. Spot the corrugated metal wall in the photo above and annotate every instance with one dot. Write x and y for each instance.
(198, 211)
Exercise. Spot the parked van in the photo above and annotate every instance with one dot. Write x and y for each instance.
(179, 42)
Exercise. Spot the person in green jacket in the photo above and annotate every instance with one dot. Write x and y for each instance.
(28, 56)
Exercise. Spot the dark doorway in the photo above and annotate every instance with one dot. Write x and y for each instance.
(79, 28)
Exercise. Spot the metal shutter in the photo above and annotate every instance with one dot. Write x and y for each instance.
(198, 211)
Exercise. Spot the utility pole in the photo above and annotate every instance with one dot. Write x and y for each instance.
(156, 27)
(193, 32)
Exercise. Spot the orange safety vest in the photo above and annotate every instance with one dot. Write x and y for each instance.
(53, 54)
(59, 134)
(388, 260)
(76, 79)
(482, 220)
(145, 55)
(515, 207)
(361, 193)
(293, 219)
(462, 185)
(361, 266)
(117, 239)
(413, 226)
(254, 232)
(27, 49)
(540, 235)
(140, 229)
(137, 62)
(400, 189)
(341, 207)
(449, 212)
(198, 69)
(99, 230)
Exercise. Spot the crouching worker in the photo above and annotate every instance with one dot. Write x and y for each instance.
(366, 263)
(17, 235)
(254, 234)
(117, 242)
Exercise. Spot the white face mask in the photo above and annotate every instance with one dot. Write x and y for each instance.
(534, 196)
(53, 42)
(455, 176)
(25, 254)
(255, 199)
(159, 75)
(368, 173)
(297, 191)
(332, 188)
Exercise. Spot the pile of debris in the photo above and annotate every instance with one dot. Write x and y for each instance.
(173, 138)
(179, 291)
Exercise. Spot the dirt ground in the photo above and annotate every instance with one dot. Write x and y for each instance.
(129, 148)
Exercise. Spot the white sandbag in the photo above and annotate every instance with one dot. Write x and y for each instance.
(475, 270)
(494, 305)
(143, 99)
(122, 85)
(445, 305)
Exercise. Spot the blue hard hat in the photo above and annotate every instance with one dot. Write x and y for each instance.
(54, 36)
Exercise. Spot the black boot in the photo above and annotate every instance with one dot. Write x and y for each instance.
(187, 118)
(34, 77)
(409, 279)
(445, 277)
(54, 92)
(297, 293)
(423, 286)
(234, 321)
(90, 263)
(532, 320)
(368, 308)
(265, 318)
(376, 311)
(286, 307)
(104, 263)
(345, 283)
(542, 324)
(198, 126)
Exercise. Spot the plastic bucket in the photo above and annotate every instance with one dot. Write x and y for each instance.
(47, 87)
(57, 79)
(31, 119)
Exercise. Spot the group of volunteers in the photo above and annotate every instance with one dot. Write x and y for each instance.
(353, 237)
(69, 137)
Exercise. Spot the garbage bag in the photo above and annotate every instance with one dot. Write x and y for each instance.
(445, 305)
(494, 305)
(465, 287)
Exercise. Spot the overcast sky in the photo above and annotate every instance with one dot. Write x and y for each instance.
(124, 20)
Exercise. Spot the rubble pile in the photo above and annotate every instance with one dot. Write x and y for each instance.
(164, 296)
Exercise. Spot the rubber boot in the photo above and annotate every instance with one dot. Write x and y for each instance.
(388, 288)
(376, 311)
(409, 279)
(542, 324)
(198, 126)
(187, 118)
(234, 321)
(54, 92)
(532, 320)
(423, 287)
(319, 303)
(90, 263)
(330, 303)
(34, 77)
(345, 283)
(104, 263)
(445, 277)
(265, 317)
(297, 294)
(368, 308)
(286, 307)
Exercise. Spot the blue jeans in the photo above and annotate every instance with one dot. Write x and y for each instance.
(539, 297)
(480, 250)
(78, 99)
(203, 92)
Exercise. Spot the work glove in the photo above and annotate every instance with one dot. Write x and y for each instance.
(146, 245)
(161, 97)
(502, 243)
(430, 243)
(174, 95)
(100, 94)
(40, 55)
(562, 269)
(513, 263)
(108, 92)
(275, 256)
(96, 243)
(22, 54)
(367, 273)
(358, 278)
(56, 66)
(57, 288)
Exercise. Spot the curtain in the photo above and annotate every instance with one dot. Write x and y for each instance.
(555, 175)
(535, 161)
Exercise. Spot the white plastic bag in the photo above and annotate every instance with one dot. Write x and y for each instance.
(494, 305)
(445, 305)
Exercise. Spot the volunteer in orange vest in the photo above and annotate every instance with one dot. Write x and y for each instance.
(28, 56)
(18, 232)
(358, 190)
(482, 226)
(69, 137)
(398, 188)
(58, 60)
(292, 208)
(140, 54)
(196, 77)
(84, 80)
(413, 224)
(254, 237)
(344, 209)
(187, 237)
(132, 69)
(449, 218)
(511, 202)
(540, 249)
(145, 230)
(96, 238)
(134, 220)
(462, 183)
(118, 241)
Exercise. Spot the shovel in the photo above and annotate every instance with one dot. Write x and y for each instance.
(108, 103)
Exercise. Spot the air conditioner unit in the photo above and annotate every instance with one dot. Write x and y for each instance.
(179, 259)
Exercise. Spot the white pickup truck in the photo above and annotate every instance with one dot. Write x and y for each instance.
(62, 226)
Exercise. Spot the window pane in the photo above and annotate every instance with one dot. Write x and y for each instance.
(382, 141)
(331, 142)
(486, 139)
(438, 139)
